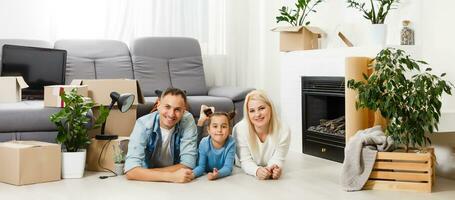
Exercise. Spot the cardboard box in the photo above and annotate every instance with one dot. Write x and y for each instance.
(99, 90)
(293, 38)
(27, 162)
(106, 160)
(117, 123)
(11, 88)
(52, 94)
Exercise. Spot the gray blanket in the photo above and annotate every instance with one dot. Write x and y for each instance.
(360, 154)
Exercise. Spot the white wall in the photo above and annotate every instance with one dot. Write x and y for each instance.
(431, 20)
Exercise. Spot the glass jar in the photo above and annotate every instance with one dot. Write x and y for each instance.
(407, 34)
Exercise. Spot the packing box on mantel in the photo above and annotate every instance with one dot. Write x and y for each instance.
(99, 90)
(294, 38)
(27, 162)
(52, 94)
(107, 157)
(11, 88)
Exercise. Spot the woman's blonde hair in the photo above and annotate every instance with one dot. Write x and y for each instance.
(274, 123)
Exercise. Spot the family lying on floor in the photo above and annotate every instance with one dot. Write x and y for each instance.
(163, 145)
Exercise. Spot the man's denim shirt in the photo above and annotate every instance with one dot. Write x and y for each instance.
(146, 136)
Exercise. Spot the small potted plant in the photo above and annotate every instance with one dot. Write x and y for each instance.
(376, 12)
(73, 121)
(408, 98)
(297, 35)
(119, 159)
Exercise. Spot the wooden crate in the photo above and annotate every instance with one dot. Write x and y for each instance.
(403, 171)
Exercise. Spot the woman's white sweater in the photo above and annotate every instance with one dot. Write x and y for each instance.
(272, 151)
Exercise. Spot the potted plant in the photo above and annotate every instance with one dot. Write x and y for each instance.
(73, 121)
(297, 17)
(119, 159)
(376, 12)
(408, 98)
(298, 36)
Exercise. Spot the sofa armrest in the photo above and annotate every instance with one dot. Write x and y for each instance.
(233, 93)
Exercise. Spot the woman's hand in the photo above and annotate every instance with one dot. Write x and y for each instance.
(202, 116)
(213, 175)
(276, 172)
(263, 173)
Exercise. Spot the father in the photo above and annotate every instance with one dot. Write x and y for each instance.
(163, 145)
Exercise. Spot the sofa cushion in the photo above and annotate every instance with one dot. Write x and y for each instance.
(26, 116)
(96, 59)
(188, 74)
(170, 62)
(152, 73)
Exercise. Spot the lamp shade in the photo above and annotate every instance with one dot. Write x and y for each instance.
(124, 101)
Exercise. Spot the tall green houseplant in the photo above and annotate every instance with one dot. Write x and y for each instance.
(376, 11)
(297, 16)
(410, 99)
(73, 121)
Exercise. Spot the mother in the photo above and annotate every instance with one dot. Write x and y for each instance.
(262, 140)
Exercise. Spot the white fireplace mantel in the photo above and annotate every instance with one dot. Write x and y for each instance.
(325, 62)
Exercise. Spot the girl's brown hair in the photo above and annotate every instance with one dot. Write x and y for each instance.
(228, 115)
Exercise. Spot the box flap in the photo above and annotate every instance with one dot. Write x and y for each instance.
(315, 30)
(287, 29)
(99, 89)
(76, 82)
(140, 97)
(21, 82)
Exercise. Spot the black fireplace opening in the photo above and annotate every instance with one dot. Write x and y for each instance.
(323, 117)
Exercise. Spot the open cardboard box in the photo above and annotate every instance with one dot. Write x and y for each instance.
(52, 94)
(11, 88)
(99, 90)
(293, 38)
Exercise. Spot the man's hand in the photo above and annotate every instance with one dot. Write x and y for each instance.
(182, 176)
(213, 175)
(263, 173)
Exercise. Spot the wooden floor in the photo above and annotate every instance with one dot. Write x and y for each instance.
(305, 177)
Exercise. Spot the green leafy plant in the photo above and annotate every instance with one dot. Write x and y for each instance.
(73, 121)
(410, 99)
(377, 11)
(296, 17)
(119, 155)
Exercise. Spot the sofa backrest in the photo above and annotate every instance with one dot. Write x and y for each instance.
(96, 59)
(162, 62)
(22, 42)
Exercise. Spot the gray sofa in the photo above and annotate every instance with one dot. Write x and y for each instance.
(157, 62)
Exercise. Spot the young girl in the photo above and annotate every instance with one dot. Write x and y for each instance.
(217, 150)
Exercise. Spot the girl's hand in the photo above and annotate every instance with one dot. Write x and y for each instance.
(263, 173)
(213, 175)
(202, 116)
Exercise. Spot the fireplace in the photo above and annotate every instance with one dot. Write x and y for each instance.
(323, 120)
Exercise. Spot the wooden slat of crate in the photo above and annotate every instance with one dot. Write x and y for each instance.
(403, 156)
(402, 171)
(421, 167)
(400, 176)
(397, 185)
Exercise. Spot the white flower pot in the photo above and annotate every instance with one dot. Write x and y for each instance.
(73, 164)
(378, 34)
